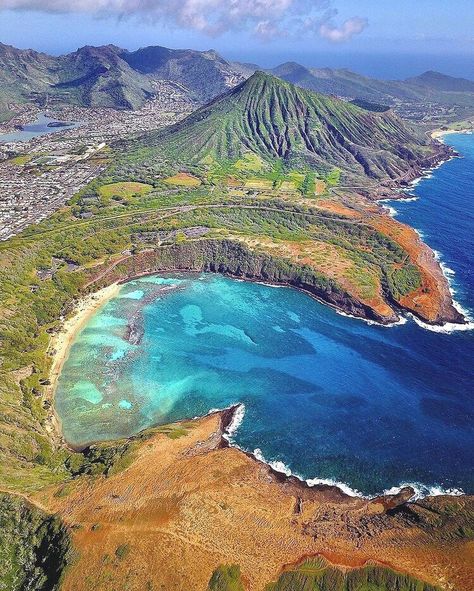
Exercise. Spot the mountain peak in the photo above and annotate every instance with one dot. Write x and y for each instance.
(259, 77)
(278, 121)
(442, 82)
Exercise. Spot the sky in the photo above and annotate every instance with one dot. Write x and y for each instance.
(384, 38)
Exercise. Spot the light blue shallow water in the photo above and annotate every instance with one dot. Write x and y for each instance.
(329, 396)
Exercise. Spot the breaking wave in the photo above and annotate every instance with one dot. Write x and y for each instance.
(420, 490)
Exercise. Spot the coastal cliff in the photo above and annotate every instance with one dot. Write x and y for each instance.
(179, 502)
(236, 260)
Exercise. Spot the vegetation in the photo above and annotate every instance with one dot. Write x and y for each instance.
(124, 190)
(318, 575)
(34, 547)
(122, 551)
(183, 180)
(275, 121)
(404, 280)
(21, 159)
(226, 578)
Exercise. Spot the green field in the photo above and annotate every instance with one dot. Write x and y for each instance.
(21, 159)
(124, 189)
(317, 574)
(183, 180)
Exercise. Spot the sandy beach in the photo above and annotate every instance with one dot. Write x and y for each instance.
(439, 133)
(61, 342)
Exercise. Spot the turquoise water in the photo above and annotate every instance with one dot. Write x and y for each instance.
(326, 396)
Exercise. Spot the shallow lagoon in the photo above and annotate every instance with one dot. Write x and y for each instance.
(327, 395)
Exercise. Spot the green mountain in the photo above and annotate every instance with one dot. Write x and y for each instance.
(91, 76)
(109, 76)
(277, 120)
(21, 72)
(440, 82)
(205, 74)
(430, 86)
(98, 76)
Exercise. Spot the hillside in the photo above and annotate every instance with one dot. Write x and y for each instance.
(204, 73)
(435, 81)
(109, 76)
(21, 72)
(276, 120)
(430, 87)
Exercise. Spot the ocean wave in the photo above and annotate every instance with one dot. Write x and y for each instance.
(277, 465)
(448, 327)
(421, 490)
(392, 212)
(282, 468)
(401, 320)
(351, 492)
(408, 199)
(428, 173)
(421, 235)
(448, 272)
(236, 421)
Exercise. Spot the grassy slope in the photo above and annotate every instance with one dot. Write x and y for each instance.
(319, 575)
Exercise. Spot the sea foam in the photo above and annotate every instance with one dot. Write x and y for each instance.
(236, 421)
(420, 490)
(448, 327)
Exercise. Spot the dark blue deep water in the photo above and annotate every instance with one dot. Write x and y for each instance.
(326, 396)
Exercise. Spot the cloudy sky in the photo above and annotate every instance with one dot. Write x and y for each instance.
(377, 34)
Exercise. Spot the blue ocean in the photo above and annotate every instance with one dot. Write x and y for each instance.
(326, 397)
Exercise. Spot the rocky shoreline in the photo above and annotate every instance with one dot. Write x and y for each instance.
(391, 188)
(256, 517)
(231, 258)
(301, 488)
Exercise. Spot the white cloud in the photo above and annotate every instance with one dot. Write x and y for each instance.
(349, 28)
(267, 19)
(267, 30)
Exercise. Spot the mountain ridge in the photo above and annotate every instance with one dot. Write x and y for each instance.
(109, 76)
(344, 82)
